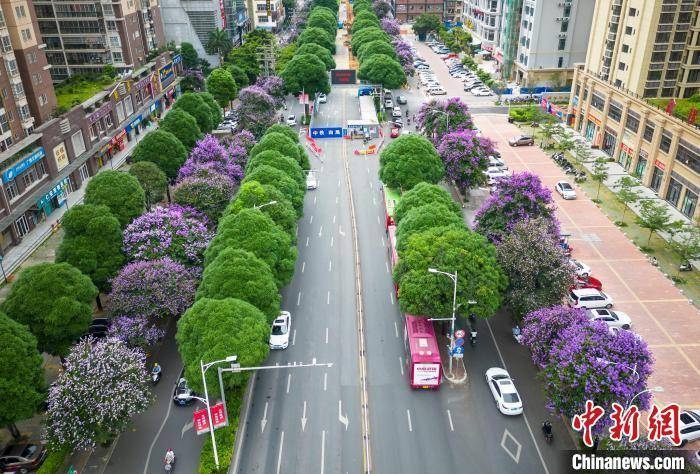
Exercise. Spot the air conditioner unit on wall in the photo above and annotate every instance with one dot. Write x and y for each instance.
(562, 35)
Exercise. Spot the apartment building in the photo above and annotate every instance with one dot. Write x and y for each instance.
(640, 50)
(408, 10)
(39, 171)
(267, 14)
(27, 96)
(483, 19)
(83, 36)
(454, 12)
(551, 36)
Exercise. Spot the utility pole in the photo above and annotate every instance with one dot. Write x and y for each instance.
(266, 58)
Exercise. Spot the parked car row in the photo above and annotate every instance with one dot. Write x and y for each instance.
(428, 78)
(230, 122)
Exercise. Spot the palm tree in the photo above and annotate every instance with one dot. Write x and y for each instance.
(219, 43)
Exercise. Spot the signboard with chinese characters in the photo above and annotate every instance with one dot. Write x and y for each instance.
(14, 171)
(327, 132)
(218, 418)
(101, 112)
(55, 191)
(61, 156)
(343, 76)
(166, 75)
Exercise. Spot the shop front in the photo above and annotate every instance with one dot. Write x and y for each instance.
(609, 142)
(592, 124)
(55, 198)
(625, 156)
(118, 143)
(133, 128)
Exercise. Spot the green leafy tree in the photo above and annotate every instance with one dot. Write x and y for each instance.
(409, 160)
(215, 329)
(246, 57)
(280, 141)
(366, 15)
(194, 104)
(582, 153)
(214, 107)
(457, 39)
(152, 180)
(306, 72)
(364, 23)
(319, 51)
(183, 126)
(55, 301)
(599, 174)
(21, 374)
(266, 174)
(686, 242)
(221, 85)
(375, 47)
(450, 249)
(253, 194)
(548, 131)
(382, 69)
(332, 5)
(326, 14)
(284, 55)
(219, 43)
(239, 76)
(318, 36)
(425, 217)
(190, 58)
(366, 36)
(422, 194)
(323, 22)
(284, 130)
(236, 273)
(92, 243)
(254, 231)
(323, 10)
(360, 6)
(653, 215)
(281, 162)
(162, 148)
(566, 142)
(626, 195)
(109, 71)
(538, 274)
(120, 192)
(427, 23)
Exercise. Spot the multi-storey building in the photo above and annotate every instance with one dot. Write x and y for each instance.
(40, 170)
(83, 36)
(483, 19)
(409, 10)
(553, 35)
(643, 49)
(454, 12)
(27, 97)
(267, 14)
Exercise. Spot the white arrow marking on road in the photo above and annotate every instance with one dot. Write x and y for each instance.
(311, 221)
(331, 241)
(323, 450)
(449, 417)
(339, 183)
(396, 329)
(378, 221)
(408, 414)
(279, 457)
(336, 199)
(294, 337)
(326, 335)
(374, 200)
(330, 265)
(320, 231)
(340, 231)
(303, 266)
(185, 428)
(289, 380)
(263, 422)
(314, 199)
(325, 381)
(341, 418)
(401, 364)
(303, 418)
(307, 241)
(383, 243)
(387, 266)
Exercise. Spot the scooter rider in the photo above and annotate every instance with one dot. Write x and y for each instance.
(169, 459)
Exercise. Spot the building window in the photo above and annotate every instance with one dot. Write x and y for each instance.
(687, 155)
(680, 37)
(632, 123)
(597, 102)
(120, 112)
(93, 132)
(641, 167)
(614, 112)
(621, 66)
(628, 30)
(560, 63)
(673, 193)
(609, 141)
(690, 202)
(78, 143)
(11, 190)
(263, 19)
(43, 100)
(22, 226)
(129, 106)
(115, 42)
(564, 26)
(20, 12)
(656, 179)
(658, 57)
(562, 44)
(649, 132)
(108, 120)
(633, 12)
(29, 177)
(117, 56)
(665, 144)
(26, 34)
(625, 48)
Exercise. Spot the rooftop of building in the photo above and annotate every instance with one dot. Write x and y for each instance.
(77, 89)
(683, 106)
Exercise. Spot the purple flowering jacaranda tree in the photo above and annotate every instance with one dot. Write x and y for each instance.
(517, 198)
(103, 385)
(391, 26)
(466, 157)
(274, 86)
(256, 110)
(167, 232)
(439, 117)
(135, 331)
(209, 155)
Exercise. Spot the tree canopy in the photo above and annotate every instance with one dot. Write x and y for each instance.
(213, 329)
(162, 148)
(92, 243)
(236, 273)
(306, 72)
(425, 217)
(382, 69)
(209, 194)
(239, 76)
(190, 58)
(152, 180)
(319, 51)
(434, 117)
(253, 193)
(183, 126)
(367, 35)
(331, 5)
(256, 110)
(427, 23)
(55, 301)
(280, 141)
(266, 174)
(450, 249)
(318, 36)
(222, 86)
(119, 191)
(281, 162)
(409, 160)
(326, 24)
(284, 130)
(195, 105)
(465, 155)
(364, 23)
(376, 47)
(422, 194)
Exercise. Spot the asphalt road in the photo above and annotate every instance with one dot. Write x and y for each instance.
(308, 420)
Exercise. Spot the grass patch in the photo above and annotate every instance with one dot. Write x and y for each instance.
(225, 437)
(530, 113)
(53, 462)
(683, 106)
(78, 89)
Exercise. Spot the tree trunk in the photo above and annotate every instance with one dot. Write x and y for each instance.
(598, 192)
(624, 212)
(651, 231)
(14, 431)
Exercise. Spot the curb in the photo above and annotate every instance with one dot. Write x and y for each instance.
(242, 425)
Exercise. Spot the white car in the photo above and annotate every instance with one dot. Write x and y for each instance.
(322, 98)
(292, 120)
(614, 319)
(504, 393)
(495, 162)
(494, 174)
(422, 67)
(281, 327)
(311, 181)
(437, 91)
(689, 426)
(565, 190)
(580, 268)
(396, 112)
(481, 92)
(589, 298)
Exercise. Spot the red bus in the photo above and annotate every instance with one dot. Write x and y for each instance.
(393, 255)
(391, 198)
(424, 364)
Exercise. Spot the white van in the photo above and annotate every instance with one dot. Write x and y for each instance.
(437, 91)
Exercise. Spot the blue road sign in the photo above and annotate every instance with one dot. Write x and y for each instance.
(327, 132)
(459, 350)
(459, 341)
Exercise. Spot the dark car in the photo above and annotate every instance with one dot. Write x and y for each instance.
(22, 457)
(521, 140)
(183, 395)
(401, 100)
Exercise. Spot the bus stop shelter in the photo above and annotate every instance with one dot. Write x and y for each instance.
(368, 124)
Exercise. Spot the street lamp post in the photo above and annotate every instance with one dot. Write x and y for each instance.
(447, 116)
(263, 205)
(204, 367)
(453, 277)
(652, 389)
(610, 362)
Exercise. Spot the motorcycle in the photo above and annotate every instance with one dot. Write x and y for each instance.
(169, 460)
(472, 337)
(156, 373)
(547, 431)
(685, 267)
(517, 335)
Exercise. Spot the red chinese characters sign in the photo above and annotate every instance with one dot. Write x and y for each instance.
(218, 418)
